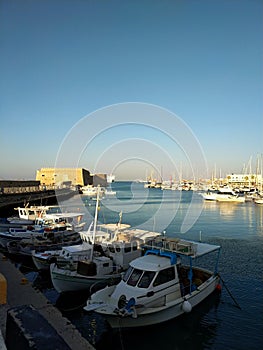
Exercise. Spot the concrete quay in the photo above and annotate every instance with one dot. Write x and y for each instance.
(17, 295)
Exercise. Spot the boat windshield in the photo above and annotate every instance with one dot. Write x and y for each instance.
(146, 279)
(140, 277)
(127, 274)
(134, 277)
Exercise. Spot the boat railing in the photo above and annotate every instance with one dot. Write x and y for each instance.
(175, 245)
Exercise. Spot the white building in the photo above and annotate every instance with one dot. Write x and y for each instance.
(244, 180)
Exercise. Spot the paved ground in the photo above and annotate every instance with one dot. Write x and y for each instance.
(19, 293)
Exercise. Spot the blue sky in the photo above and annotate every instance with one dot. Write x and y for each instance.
(63, 60)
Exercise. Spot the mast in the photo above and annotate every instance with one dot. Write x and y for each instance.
(95, 220)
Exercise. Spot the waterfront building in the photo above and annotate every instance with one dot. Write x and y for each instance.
(244, 180)
(59, 177)
(99, 180)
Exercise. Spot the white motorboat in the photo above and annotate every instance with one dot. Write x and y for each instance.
(209, 195)
(91, 190)
(158, 286)
(223, 194)
(226, 194)
(110, 192)
(258, 200)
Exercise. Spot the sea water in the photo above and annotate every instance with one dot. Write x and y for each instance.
(230, 320)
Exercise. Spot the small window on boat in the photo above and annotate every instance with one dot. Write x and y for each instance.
(127, 274)
(146, 279)
(118, 249)
(164, 276)
(127, 249)
(134, 277)
(134, 247)
(111, 249)
(106, 265)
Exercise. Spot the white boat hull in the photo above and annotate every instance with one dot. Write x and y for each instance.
(151, 316)
(232, 199)
(258, 201)
(43, 260)
(69, 281)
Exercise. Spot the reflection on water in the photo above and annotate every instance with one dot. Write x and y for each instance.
(259, 219)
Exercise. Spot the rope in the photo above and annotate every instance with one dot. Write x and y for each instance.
(120, 334)
(231, 295)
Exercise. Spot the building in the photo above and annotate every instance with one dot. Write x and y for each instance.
(63, 177)
(100, 179)
(244, 180)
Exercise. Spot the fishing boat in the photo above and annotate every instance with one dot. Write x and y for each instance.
(159, 286)
(19, 233)
(28, 214)
(109, 237)
(93, 267)
(56, 226)
(117, 249)
(26, 246)
(67, 254)
(62, 221)
(93, 262)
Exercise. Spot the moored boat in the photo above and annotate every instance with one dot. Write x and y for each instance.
(28, 214)
(118, 248)
(158, 286)
(17, 234)
(24, 247)
(223, 194)
(258, 200)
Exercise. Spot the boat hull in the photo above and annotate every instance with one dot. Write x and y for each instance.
(70, 281)
(158, 315)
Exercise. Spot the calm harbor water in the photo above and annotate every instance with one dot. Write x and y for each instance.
(217, 323)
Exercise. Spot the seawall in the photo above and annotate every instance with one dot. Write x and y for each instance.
(21, 297)
(50, 197)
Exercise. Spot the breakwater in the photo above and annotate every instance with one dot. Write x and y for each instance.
(49, 197)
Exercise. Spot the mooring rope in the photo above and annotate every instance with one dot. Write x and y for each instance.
(231, 295)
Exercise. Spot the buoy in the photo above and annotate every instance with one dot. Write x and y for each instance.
(187, 307)
(218, 287)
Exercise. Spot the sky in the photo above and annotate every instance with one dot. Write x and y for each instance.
(166, 88)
